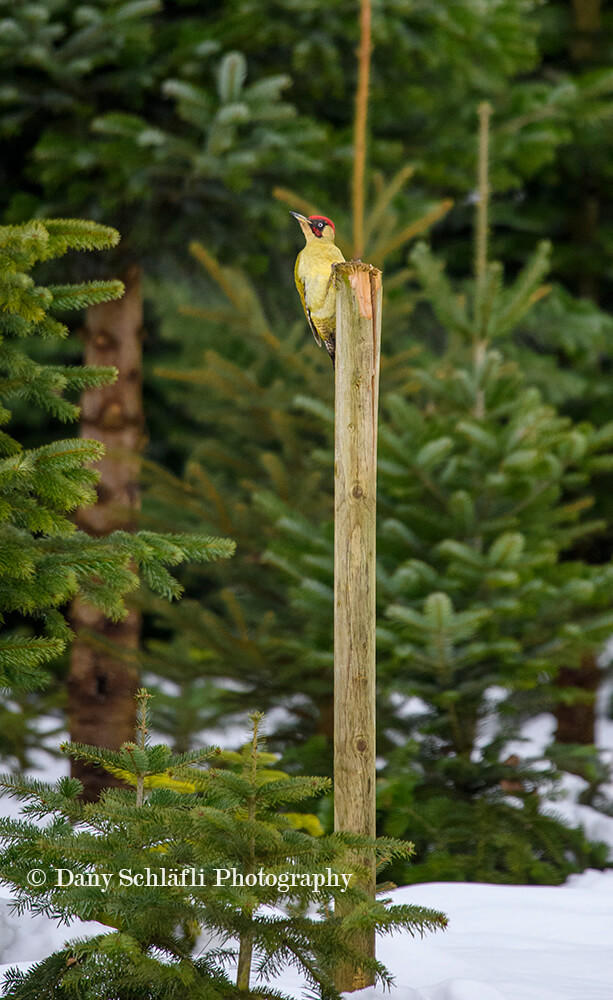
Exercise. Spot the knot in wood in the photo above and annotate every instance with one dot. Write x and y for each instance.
(357, 491)
(112, 418)
(361, 744)
(103, 340)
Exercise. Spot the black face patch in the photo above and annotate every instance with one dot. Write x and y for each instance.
(318, 223)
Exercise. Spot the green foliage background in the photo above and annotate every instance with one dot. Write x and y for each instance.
(192, 127)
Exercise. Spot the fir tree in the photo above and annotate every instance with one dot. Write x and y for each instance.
(250, 877)
(483, 492)
(488, 484)
(45, 561)
(484, 488)
(134, 114)
(131, 113)
(255, 408)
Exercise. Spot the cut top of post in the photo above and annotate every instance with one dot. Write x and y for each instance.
(365, 281)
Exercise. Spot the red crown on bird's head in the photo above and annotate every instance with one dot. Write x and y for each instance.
(321, 218)
(319, 222)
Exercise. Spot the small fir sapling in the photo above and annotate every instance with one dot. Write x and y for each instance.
(180, 817)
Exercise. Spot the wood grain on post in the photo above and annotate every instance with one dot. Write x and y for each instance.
(358, 341)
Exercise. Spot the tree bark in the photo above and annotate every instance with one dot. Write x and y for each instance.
(576, 723)
(103, 676)
(584, 50)
(588, 24)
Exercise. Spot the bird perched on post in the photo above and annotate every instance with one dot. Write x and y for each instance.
(314, 278)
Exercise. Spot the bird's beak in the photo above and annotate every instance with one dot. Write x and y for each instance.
(305, 225)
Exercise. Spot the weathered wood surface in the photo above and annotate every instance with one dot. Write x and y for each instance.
(358, 339)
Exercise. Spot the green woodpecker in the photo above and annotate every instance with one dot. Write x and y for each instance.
(315, 278)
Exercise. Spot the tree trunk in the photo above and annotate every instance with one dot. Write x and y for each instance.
(576, 722)
(588, 25)
(584, 50)
(103, 676)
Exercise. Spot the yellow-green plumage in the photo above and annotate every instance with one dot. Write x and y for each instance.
(314, 278)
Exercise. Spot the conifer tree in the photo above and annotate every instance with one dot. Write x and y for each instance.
(575, 200)
(131, 113)
(262, 403)
(483, 491)
(492, 501)
(45, 561)
(188, 849)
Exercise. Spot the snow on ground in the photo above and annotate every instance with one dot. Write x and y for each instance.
(507, 943)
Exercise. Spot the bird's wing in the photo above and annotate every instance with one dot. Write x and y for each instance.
(307, 311)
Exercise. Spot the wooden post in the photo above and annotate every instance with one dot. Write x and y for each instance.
(358, 340)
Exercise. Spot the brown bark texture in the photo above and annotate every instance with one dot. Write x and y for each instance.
(103, 677)
(588, 23)
(584, 49)
(576, 723)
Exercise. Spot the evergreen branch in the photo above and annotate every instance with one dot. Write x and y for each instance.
(387, 245)
(84, 295)
(77, 234)
(387, 194)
